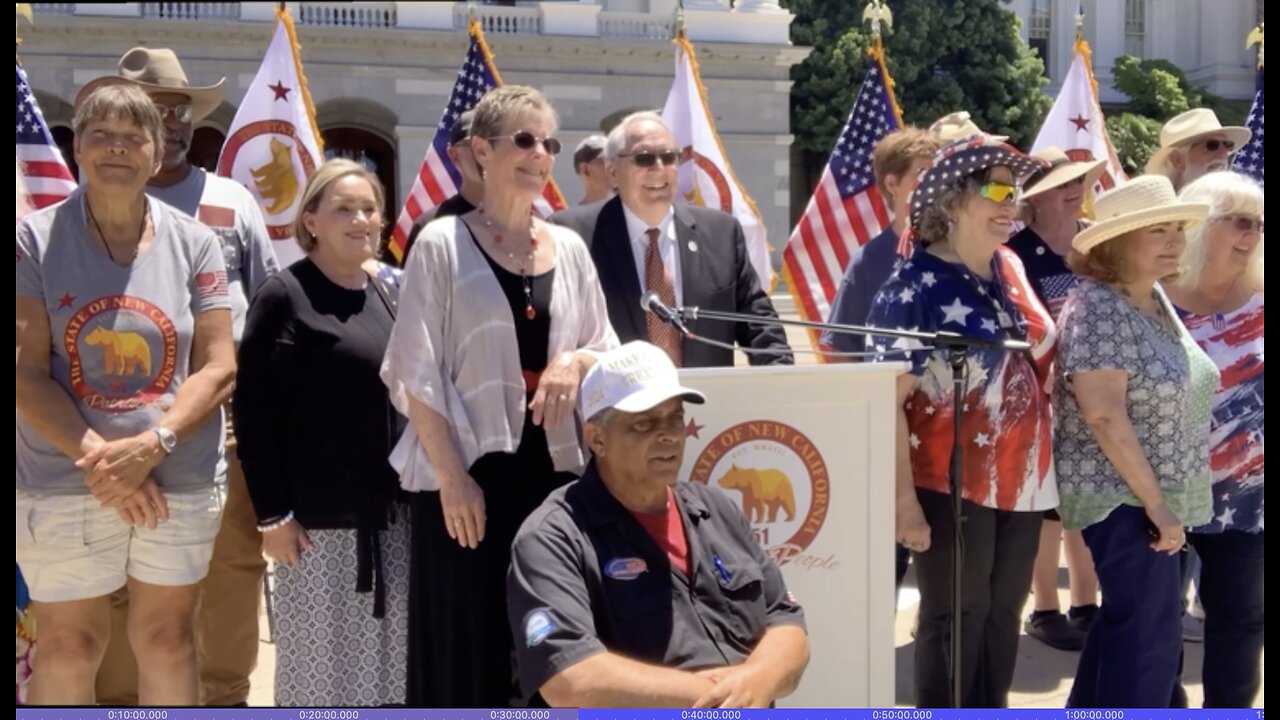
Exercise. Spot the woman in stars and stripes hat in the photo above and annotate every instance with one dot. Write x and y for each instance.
(960, 278)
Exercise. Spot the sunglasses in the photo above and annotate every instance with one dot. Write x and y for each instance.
(181, 113)
(999, 192)
(1244, 223)
(525, 140)
(649, 159)
(1214, 145)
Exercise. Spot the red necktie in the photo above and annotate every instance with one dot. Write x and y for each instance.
(658, 280)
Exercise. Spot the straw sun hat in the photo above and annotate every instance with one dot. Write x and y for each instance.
(1142, 202)
(1060, 170)
(1190, 126)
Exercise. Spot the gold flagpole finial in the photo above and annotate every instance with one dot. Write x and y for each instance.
(1255, 38)
(876, 13)
(681, 31)
(1079, 22)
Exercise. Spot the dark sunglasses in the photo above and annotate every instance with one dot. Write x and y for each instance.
(649, 159)
(1214, 145)
(181, 113)
(526, 141)
(1244, 223)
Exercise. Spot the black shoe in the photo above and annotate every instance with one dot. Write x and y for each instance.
(1051, 628)
(1081, 617)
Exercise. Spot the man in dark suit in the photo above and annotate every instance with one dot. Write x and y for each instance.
(642, 241)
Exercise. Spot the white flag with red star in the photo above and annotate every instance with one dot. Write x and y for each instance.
(1075, 123)
(273, 145)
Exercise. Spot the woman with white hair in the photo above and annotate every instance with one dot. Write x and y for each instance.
(1220, 300)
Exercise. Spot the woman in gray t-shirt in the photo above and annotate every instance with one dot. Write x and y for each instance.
(124, 357)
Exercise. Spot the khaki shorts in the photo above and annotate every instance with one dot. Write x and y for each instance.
(71, 548)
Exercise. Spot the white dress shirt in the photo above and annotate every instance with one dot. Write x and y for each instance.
(666, 247)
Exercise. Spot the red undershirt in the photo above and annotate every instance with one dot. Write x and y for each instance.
(667, 529)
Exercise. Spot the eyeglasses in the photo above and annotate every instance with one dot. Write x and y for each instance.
(1244, 223)
(999, 192)
(648, 159)
(181, 113)
(1214, 145)
(525, 140)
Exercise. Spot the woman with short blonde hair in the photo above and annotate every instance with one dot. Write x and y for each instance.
(499, 316)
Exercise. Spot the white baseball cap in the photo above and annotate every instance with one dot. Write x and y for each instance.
(632, 378)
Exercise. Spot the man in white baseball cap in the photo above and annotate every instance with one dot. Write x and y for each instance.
(1193, 144)
(629, 589)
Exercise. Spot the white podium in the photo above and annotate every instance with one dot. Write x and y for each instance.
(808, 453)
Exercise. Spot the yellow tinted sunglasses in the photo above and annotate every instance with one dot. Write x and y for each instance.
(999, 192)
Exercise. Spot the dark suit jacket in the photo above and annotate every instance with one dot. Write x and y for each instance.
(717, 275)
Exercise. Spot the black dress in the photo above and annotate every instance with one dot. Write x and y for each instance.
(460, 651)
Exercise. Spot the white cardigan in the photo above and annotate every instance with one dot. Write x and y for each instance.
(454, 349)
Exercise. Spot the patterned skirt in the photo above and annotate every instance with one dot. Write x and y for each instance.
(330, 650)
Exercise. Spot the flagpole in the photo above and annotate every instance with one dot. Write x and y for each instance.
(283, 15)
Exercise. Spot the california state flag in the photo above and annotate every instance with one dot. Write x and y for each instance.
(273, 145)
(706, 180)
(1075, 124)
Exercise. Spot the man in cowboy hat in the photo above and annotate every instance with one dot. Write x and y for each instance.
(1193, 144)
(227, 621)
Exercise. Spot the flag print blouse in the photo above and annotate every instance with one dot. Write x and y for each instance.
(1234, 342)
(1006, 426)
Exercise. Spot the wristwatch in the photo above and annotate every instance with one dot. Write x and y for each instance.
(168, 441)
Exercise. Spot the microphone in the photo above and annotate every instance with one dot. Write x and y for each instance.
(649, 302)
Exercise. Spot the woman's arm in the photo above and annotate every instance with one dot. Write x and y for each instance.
(461, 499)
(912, 528)
(43, 402)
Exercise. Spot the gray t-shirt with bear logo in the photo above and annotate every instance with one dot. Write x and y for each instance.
(121, 337)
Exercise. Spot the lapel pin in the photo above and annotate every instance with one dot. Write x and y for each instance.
(693, 246)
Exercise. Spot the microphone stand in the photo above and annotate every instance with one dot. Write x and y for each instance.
(957, 347)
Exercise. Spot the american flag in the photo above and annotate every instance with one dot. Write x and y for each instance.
(48, 179)
(438, 179)
(846, 209)
(1249, 159)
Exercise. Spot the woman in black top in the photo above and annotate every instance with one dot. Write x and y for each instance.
(315, 428)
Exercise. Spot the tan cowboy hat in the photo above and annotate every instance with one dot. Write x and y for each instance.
(956, 125)
(1142, 202)
(157, 70)
(1190, 126)
(1059, 170)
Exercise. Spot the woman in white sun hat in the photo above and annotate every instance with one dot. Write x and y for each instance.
(1131, 441)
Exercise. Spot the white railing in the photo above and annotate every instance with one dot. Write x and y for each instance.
(48, 9)
(354, 15)
(636, 26)
(191, 11)
(500, 19)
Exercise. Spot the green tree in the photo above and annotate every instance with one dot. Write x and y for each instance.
(1135, 138)
(944, 55)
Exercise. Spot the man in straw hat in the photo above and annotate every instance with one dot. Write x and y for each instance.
(227, 620)
(630, 589)
(1195, 143)
(1133, 398)
(1053, 200)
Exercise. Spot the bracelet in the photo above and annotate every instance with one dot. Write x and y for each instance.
(276, 524)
